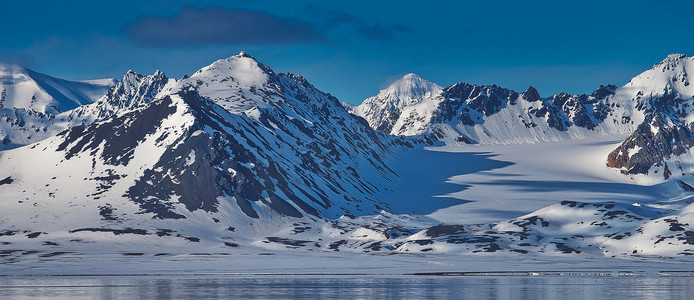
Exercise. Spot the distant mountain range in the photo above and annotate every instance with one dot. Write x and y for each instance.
(655, 108)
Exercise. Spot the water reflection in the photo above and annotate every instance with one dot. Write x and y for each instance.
(345, 287)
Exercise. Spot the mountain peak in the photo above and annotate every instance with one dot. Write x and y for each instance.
(8, 69)
(159, 74)
(133, 90)
(412, 76)
(410, 89)
(674, 57)
(603, 91)
(670, 76)
(672, 61)
(238, 71)
(240, 82)
(383, 110)
(531, 94)
(131, 76)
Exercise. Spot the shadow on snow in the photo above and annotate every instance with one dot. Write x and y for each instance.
(424, 178)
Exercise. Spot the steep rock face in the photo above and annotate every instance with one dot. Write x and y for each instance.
(469, 103)
(31, 101)
(132, 90)
(654, 141)
(491, 114)
(666, 98)
(582, 110)
(384, 110)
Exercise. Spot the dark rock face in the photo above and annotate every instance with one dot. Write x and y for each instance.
(441, 230)
(120, 135)
(656, 140)
(469, 104)
(661, 136)
(485, 100)
(564, 110)
(603, 91)
(7, 180)
(553, 116)
(531, 95)
(580, 110)
(669, 103)
(387, 124)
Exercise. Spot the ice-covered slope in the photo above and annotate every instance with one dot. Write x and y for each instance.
(235, 147)
(32, 91)
(384, 110)
(30, 102)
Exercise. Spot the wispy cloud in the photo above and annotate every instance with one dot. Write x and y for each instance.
(221, 26)
(365, 28)
(376, 31)
(21, 59)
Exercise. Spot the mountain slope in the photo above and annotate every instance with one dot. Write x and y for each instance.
(32, 91)
(661, 143)
(213, 152)
(30, 102)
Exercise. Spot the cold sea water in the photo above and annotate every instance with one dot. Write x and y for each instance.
(211, 286)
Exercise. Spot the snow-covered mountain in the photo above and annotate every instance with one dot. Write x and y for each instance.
(655, 107)
(27, 122)
(33, 91)
(664, 100)
(384, 110)
(495, 115)
(235, 145)
(30, 101)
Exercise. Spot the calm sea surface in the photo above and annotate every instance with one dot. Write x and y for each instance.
(346, 287)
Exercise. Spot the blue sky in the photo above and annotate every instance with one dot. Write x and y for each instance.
(354, 48)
